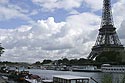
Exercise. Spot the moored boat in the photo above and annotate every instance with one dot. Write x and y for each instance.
(85, 69)
(113, 68)
(70, 79)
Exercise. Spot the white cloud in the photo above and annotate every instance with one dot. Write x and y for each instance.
(12, 11)
(73, 12)
(51, 5)
(4, 1)
(33, 41)
(118, 12)
(8, 13)
(119, 18)
(94, 5)
(48, 39)
(81, 24)
(34, 12)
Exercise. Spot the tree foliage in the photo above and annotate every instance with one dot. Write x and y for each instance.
(46, 61)
(107, 78)
(110, 56)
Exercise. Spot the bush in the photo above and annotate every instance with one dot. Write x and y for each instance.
(107, 78)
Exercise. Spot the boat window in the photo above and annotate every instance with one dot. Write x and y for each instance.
(82, 81)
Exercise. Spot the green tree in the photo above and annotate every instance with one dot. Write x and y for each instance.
(60, 62)
(73, 62)
(37, 63)
(123, 80)
(65, 61)
(46, 61)
(82, 61)
(107, 78)
(109, 56)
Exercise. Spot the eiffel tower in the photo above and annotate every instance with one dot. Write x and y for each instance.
(107, 39)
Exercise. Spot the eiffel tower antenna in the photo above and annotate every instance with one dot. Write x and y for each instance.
(107, 39)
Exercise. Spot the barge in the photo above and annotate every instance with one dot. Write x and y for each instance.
(113, 68)
(85, 69)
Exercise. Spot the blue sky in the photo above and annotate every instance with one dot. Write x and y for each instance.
(33, 30)
(28, 7)
(39, 12)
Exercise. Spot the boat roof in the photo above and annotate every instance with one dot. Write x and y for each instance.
(47, 80)
(70, 77)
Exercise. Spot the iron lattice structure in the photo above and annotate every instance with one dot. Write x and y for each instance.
(107, 39)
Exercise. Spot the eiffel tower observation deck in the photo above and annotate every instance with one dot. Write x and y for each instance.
(107, 39)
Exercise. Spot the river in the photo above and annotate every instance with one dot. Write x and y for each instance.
(48, 74)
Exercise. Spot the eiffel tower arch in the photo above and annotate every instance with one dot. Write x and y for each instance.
(107, 39)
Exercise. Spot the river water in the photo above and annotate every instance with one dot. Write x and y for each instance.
(48, 74)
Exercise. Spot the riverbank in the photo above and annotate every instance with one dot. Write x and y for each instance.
(98, 76)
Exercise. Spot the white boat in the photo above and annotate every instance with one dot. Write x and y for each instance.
(85, 69)
(113, 68)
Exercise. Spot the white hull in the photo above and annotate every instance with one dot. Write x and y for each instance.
(115, 69)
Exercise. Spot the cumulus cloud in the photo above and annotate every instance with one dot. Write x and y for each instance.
(119, 19)
(48, 39)
(94, 5)
(33, 41)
